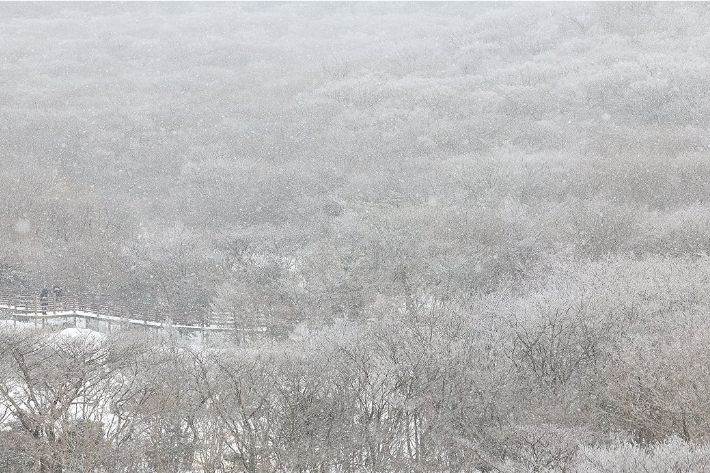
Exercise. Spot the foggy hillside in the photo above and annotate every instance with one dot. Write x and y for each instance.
(471, 235)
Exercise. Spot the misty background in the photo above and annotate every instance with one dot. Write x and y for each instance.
(503, 174)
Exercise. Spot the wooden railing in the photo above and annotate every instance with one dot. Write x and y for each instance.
(101, 313)
(100, 307)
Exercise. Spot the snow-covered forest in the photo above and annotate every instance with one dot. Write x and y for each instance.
(447, 236)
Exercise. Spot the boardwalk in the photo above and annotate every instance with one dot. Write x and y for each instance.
(103, 315)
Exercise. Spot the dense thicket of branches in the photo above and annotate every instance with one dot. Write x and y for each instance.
(616, 349)
(515, 383)
(488, 223)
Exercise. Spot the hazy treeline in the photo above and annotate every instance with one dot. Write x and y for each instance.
(309, 160)
(488, 222)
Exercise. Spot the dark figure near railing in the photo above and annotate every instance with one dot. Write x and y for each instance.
(44, 300)
(57, 296)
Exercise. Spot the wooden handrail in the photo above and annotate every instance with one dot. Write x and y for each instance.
(105, 306)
